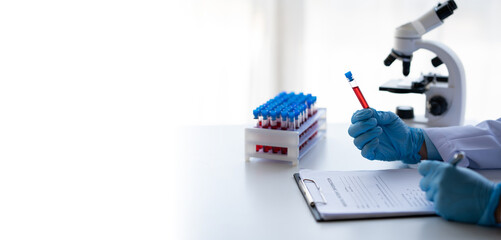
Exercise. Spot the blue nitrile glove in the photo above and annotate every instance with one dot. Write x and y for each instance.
(384, 136)
(459, 194)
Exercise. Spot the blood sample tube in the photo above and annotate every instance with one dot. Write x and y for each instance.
(256, 116)
(296, 119)
(303, 112)
(300, 115)
(279, 122)
(284, 119)
(283, 150)
(276, 149)
(266, 148)
(290, 121)
(266, 121)
(313, 104)
(273, 119)
(308, 104)
(356, 89)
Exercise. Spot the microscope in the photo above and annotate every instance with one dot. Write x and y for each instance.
(445, 95)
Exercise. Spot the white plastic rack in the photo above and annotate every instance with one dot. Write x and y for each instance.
(285, 145)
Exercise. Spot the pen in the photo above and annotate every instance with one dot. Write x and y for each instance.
(458, 156)
(356, 89)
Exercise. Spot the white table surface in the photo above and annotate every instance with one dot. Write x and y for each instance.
(116, 179)
(220, 196)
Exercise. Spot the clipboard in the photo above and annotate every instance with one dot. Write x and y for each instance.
(343, 195)
(308, 198)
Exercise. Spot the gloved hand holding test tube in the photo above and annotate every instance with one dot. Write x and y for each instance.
(458, 193)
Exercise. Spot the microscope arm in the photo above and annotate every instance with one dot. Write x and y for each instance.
(455, 92)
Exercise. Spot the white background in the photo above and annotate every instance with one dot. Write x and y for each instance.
(92, 93)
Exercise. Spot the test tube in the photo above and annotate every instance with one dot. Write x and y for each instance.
(266, 121)
(277, 110)
(284, 119)
(313, 105)
(266, 148)
(256, 116)
(283, 150)
(276, 149)
(303, 112)
(296, 119)
(273, 116)
(300, 116)
(356, 89)
(308, 105)
(291, 122)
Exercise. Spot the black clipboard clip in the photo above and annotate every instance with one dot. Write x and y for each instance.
(307, 193)
(307, 196)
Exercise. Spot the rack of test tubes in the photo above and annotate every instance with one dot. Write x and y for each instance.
(287, 127)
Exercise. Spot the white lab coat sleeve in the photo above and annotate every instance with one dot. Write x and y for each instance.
(481, 143)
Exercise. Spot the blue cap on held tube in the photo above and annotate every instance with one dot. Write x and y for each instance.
(349, 76)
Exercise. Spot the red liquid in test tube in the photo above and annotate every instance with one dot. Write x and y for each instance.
(360, 97)
(356, 89)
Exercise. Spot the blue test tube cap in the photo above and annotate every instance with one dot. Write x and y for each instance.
(349, 76)
(264, 113)
(296, 114)
(308, 102)
(273, 115)
(291, 115)
(259, 110)
(284, 114)
(256, 113)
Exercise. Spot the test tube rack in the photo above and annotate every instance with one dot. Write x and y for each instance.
(285, 145)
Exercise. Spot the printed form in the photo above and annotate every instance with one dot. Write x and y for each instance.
(363, 194)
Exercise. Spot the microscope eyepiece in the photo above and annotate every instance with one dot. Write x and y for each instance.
(446, 9)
